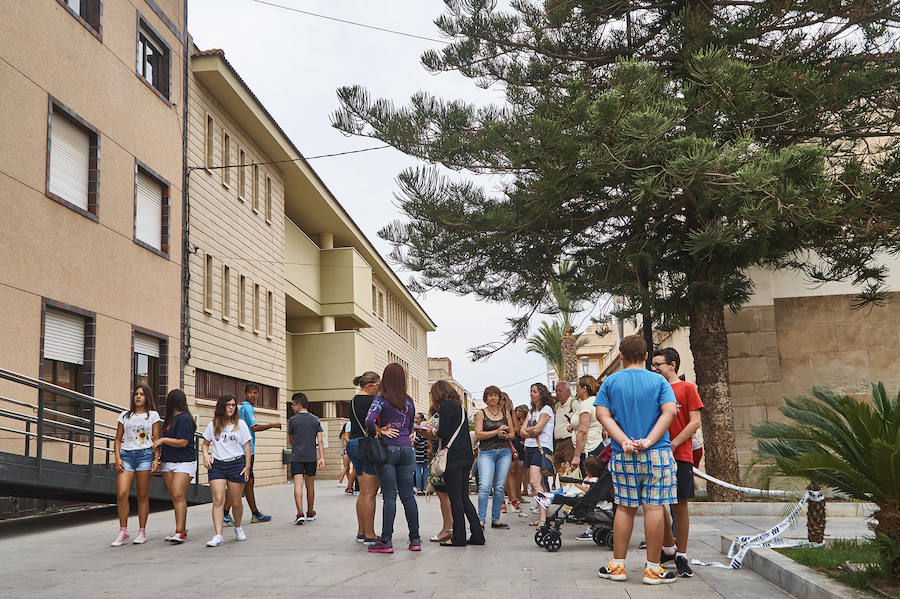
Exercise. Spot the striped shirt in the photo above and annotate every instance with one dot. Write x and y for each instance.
(421, 446)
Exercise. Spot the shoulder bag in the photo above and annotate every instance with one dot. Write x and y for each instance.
(439, 462)
(372, 450)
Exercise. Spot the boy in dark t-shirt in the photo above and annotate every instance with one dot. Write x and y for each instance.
(305, 433)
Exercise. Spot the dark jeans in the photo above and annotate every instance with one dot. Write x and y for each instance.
(421, 476)
(396, 476)
(457, 479)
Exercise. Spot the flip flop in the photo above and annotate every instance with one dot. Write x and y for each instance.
(439, 538)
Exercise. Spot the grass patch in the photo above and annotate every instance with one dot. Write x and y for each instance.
(829, 560)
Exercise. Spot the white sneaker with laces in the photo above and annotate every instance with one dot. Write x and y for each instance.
(120, 538)
(215, 541)
(239, 534)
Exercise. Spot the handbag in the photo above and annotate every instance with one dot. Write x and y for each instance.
(546, 463)
(372, 450)
(439, 463)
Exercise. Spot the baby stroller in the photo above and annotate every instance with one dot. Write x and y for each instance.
(585, 508)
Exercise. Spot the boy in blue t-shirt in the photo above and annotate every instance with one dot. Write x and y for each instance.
(636, 407)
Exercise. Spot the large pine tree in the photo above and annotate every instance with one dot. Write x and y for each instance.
(664, 147)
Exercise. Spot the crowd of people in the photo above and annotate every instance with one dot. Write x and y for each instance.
(639, 428)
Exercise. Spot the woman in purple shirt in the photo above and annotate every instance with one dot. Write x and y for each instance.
(391, 417)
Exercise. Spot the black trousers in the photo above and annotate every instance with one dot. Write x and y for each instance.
(456, 477)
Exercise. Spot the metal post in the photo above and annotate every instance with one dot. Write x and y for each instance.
(40, 431)
(107, 451)
(71, 451)
(91, 442)
(27, 437)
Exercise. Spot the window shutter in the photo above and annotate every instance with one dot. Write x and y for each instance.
(148, 211)
(70, 153)
(63, 337)
(143, 344)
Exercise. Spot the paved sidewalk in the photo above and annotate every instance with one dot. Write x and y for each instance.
(321, 559)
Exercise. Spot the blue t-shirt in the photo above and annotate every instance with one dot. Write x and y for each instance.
(181, 427)
(249, 416)
(633, 397)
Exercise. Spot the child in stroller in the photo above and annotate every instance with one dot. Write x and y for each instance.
(594, 507)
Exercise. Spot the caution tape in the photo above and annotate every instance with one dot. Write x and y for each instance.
(769, 538)
(814, 495)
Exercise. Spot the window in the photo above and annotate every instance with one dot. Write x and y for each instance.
(67, 359)
(146, 363)
(374, 300)
(153, 59)
(73, 171)
(226, 292)
(268, 199)
(394, 358)
(398, 317)
(87, 12)
(256, 188)
(242, 176)
(270, 316)
(226, 159)
(210, 141)
(242, 301)
(208, 284)
(211, 385)
(380, 305)
(151, 210)
(414, 336)
(255, 307)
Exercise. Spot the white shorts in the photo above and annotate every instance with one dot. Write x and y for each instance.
(189, 468)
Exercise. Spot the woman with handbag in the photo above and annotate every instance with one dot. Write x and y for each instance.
(493, 427)
(368, 383)
(391, 418)
(454, 460)
(538, 434)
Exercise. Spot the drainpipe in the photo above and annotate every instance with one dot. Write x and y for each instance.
(185, 181)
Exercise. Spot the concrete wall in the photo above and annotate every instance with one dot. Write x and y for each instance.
(51, 251)
(236, 235)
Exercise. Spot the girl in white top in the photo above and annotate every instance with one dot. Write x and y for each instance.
(229, 465)
(537, 431)
(136, 430)
(589, 431)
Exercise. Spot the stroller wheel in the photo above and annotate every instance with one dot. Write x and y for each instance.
(609, 539)
(553, 541)
(600, 535)
(539, 537)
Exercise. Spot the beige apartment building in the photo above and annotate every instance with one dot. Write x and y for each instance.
(285, 290)
(441, 369)
(92, 108)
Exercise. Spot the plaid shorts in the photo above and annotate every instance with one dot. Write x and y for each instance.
(647, 477)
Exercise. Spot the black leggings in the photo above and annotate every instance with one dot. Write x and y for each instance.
(456, 478)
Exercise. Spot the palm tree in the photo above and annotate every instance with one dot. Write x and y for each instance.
(836, 441)
(566, 307)
(548, 341)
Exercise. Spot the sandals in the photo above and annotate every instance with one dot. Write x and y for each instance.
(443, 536)
(536, 523)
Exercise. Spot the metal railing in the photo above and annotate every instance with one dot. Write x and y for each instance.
(47, 423)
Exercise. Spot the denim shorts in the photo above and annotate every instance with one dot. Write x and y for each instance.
(137, 460)
(533, 456)
(353, 454)
(230, 471)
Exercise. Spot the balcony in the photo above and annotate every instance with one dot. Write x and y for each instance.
(323, 365)
(326, 282)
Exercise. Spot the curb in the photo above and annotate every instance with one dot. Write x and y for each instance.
(835, 509)
(792, 577)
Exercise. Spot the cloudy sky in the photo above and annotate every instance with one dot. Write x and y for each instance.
(294, 63)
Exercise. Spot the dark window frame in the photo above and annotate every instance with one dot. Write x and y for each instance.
(93, 210)
(88, 369)
(164, 88)
(163, 364)
(94, 10)
(164, 210)
(211, 385)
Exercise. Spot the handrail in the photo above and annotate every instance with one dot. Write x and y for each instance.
(57, 390)
(67, 415)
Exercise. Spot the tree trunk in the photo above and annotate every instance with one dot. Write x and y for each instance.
(709, 344)
(887, 517)
(570, 357)
(815, 520)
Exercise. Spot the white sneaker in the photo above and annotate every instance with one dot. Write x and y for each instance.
(239, 534)
(535, 509)
(215, 541)
(120, 538)
(140, 539)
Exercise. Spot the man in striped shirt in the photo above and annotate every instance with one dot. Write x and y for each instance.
(420, 444)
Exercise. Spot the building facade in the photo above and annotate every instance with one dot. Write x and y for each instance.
(92, 108)
(441, 369)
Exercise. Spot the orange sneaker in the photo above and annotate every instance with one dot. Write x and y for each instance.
(612, 571)
(657, 576)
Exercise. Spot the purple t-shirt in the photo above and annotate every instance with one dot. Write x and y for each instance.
(402, 420)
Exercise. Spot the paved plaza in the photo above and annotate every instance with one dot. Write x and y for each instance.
(321, 559)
